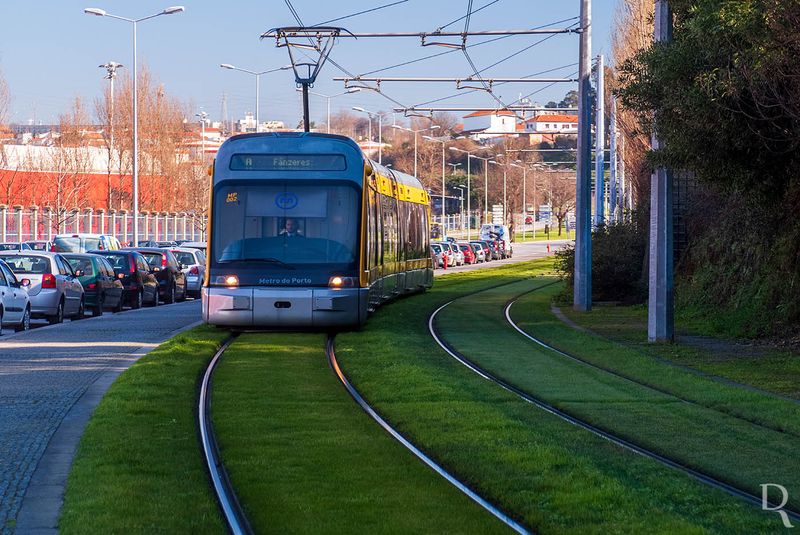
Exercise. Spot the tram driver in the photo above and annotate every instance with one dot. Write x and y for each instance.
(290, 228)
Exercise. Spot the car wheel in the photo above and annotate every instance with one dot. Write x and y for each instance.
(1, 323)
(118, 308)
(25, 324)
(154, 303)
(98, 308)
(81, 311)
(58, 317)
(136, 302)
(170, 298)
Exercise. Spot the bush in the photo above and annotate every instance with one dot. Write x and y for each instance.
(618, 260)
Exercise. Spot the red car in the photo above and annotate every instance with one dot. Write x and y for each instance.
(469, 254)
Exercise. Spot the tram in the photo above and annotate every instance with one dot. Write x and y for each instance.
(306, 232)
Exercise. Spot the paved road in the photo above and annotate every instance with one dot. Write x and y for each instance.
(58, 374)
(522, 252)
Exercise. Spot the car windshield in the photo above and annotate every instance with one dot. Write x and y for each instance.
(187, 259)
(72, 244)
(286, 223)
(34, 265)
(436, 248)
(12, 247)
(38, 245)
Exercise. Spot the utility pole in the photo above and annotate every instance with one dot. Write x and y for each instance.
(600, 146)
(660, 306)
(582, 289)
(614, 193)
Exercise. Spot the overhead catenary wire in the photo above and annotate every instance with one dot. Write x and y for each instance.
(362, 12)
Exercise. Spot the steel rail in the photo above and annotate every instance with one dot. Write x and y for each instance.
(366, 407)
(618, 441)
(228, 502)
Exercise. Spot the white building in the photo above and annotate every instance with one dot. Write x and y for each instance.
(488, 124)
(248, 124)
(552, 124)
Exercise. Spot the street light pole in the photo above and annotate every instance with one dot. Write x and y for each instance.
(415, 132)
(443, 141)
(329, 97)
(102, 13)
(380, 129)
(111, 68)
(258, 84)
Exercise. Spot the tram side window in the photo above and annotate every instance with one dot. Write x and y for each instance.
(388, 204)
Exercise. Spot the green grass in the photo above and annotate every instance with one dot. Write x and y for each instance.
(305, 458)
(553, 476)
(706, 436)
(759, 365)
(541, 236)
(138, 468)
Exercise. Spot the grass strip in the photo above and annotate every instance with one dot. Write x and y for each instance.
(305, 458)
(728, 448)
(139, 467)
(533, 314)
(767, 368)
(549, 474)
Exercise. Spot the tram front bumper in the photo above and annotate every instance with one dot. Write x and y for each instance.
(268, 307)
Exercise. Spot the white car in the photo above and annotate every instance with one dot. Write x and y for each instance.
(15, 305)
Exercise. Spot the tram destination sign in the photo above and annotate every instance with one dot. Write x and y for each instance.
(288, 162)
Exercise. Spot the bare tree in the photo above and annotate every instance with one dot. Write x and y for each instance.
(561, 194)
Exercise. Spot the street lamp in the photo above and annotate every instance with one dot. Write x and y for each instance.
(258, 81)
(505, 172)
(380, 130)
(443, 141)
(102, 13)
(329, 97)
(415, 132)
(461, 189)
(203, 116)
(111, 70)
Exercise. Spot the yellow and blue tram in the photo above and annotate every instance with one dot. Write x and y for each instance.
(306, 232)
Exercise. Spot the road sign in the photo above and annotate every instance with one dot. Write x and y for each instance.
(497, 214)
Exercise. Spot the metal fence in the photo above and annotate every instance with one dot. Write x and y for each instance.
(21, 224)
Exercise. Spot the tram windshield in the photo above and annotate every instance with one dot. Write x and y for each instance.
(284, 224)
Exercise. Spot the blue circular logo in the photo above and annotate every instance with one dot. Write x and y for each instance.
(286, 201)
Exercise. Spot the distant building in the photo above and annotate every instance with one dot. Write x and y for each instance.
(488, 124)
(248, 124)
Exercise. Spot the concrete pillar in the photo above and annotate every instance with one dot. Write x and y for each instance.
(124, 215)
(88, 225)
(146, 226)
(660, 306)
(599, 148)
(34, 222)
(3, 223)
(183, 223)
(48, 221)
(18, 221)
(101, 219)
(582, 288)
(76, 220)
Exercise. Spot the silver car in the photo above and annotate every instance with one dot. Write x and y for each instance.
(54, 290)
(15, 306)
(193, 264)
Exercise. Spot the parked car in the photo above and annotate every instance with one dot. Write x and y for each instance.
(194, 266)
(11, 246)
(195, 245)
(167, 269)
(53, 288)
(447, 252)
(101, 287)
(480, 252)
(167, 244)
(438, 255)
(40, 245)
(457, 254)
(15, 305)
(80, 243)
(487, 250)
(469, 254)
(140, 286)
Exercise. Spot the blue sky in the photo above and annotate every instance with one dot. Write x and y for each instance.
(50, 50)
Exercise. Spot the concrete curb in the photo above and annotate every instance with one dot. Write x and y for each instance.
(44, 497)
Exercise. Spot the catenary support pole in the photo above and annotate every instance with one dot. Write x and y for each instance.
(582, 289)
(660, 313)
(600, 147)
(613, 184)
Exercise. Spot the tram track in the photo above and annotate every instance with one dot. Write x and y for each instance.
(417, 452)
(563, 415)
(223, 488)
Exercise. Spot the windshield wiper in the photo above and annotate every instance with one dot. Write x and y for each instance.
(256, 259)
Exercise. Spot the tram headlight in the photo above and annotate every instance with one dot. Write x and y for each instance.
(341, 282)
(227, 280)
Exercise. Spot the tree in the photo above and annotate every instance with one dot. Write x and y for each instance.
(561, 194)
(570, 100)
